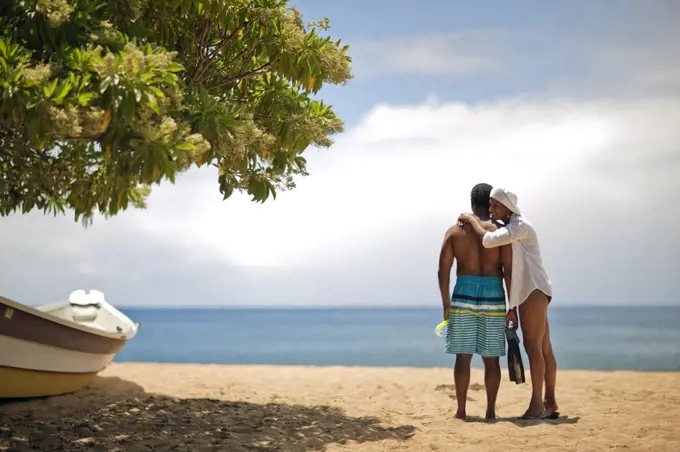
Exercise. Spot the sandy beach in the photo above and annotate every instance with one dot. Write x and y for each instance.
(133, 407)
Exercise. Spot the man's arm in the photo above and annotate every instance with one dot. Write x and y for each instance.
(446, 258)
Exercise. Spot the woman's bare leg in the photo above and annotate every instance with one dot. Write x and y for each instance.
(533, 317)
(550, 371)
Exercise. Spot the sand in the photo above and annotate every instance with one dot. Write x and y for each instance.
(143, 407)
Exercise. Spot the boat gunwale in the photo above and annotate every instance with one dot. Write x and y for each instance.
(71, 324)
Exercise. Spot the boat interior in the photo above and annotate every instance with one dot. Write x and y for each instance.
(90, 309)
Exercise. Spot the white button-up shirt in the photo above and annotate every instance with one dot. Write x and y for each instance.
(528, 273)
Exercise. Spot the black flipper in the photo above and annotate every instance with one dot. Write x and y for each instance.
(515, 365)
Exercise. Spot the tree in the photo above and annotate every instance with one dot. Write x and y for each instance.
(101, 99)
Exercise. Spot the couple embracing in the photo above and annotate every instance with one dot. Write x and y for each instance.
(486, 254)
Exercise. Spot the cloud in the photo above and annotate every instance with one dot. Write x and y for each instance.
(630, 65)
(460, 54)
(596, 178)
(589, 142)
(626, 55)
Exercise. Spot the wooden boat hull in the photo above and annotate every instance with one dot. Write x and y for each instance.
(25, 383)
(43, 353)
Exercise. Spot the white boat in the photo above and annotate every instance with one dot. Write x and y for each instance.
(60, 347)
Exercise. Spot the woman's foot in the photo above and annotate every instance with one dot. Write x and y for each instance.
(543, 416)
(551, 406)
(533, 412)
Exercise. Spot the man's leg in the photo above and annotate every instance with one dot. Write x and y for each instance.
(461, 377)
(491, 338)
(533, 316)
(549, 402)
(492, 381)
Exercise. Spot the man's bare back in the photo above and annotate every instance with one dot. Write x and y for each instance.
(471, 257)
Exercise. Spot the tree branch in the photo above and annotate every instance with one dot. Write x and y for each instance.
(248, 59)
(228, 39)
(200, 50)
(204, 63)
(252, 74)
(237, 56)
(82, 138)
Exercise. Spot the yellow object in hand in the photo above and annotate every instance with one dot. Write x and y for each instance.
(439, 330)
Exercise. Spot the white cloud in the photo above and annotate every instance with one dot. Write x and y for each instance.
(627, 67)
(365, 227)
(456, 54)
(628, 56)
(401, 166)
(594, 158)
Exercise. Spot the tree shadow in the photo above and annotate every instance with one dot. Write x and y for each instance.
(101, 392)
(117, 415)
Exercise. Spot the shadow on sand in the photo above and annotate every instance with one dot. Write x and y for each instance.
(117, 415)
(476, 387)
(562, 420)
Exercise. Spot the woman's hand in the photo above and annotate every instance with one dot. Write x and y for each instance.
(465, 217)
(511, 316)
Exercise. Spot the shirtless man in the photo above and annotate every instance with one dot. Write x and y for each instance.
(476, 310)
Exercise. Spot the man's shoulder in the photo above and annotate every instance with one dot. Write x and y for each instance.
(455, 231)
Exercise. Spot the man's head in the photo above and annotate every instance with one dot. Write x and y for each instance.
(502, 204)
(479, 200)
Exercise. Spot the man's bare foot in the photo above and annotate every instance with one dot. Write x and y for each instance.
(460, 415)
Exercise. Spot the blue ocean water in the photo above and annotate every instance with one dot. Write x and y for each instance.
(607, 338)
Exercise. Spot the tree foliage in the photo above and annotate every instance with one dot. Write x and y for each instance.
(101, 99)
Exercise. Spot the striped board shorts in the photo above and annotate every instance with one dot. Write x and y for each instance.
(477, 317)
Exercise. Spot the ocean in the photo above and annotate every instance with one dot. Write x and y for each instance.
(597, 338)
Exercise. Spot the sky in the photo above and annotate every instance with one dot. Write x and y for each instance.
(572, 105)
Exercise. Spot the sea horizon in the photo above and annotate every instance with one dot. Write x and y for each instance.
(584, 338)
(369, 307)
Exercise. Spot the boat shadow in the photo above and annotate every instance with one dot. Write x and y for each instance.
(115, 414)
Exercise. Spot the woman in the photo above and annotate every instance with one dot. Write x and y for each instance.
(530, 290)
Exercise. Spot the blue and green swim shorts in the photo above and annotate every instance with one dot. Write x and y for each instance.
(477, 317)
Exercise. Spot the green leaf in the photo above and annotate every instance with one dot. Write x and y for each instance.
(61, 93)
(84, 99)
(173, 93)
(157, 92)
(175, 67)
(48, 90)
